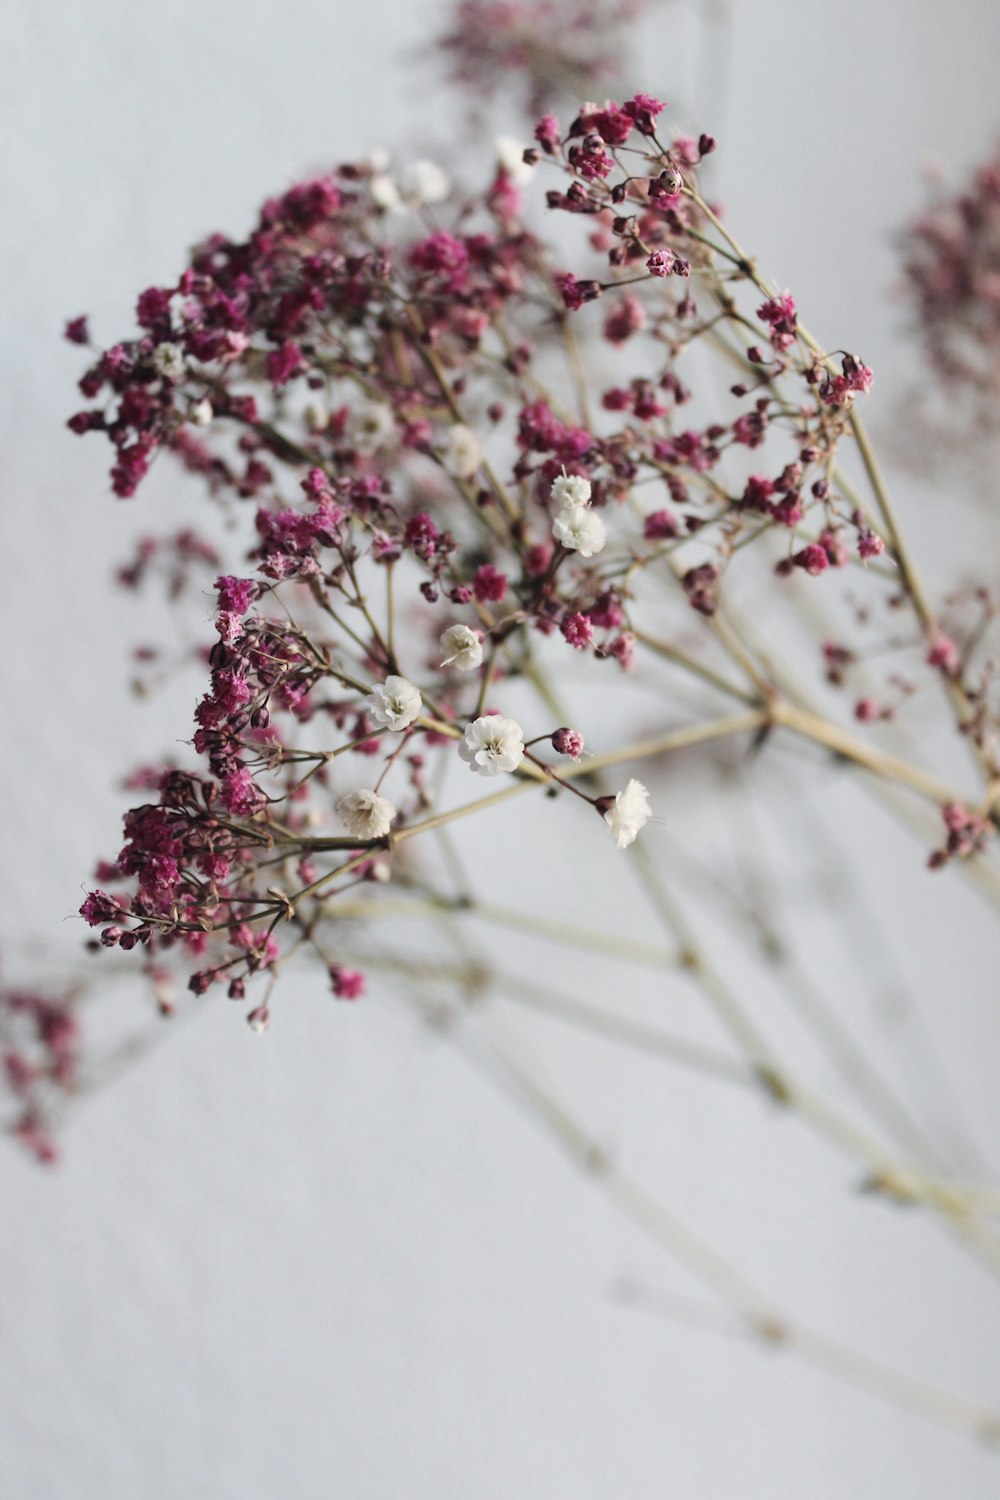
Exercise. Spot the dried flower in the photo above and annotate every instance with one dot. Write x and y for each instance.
(540, 47)
(570, 489)
(492, 745)
(370, 426)
(347, 984)
(385, 193)
(628, 813)
(463, 452)
(510, 154)
(394, 704)
(168, 361)
(463, 648)
(365, 814)
(579, 530)
(425, 182)
(568, 742)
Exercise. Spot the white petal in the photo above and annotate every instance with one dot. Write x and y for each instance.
(510, 154)
(427, 182)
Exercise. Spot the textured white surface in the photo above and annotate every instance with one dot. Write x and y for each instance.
(335, 1261)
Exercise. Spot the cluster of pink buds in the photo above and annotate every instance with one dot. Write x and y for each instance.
(364, 387)
(967, 833)
(549, 49)
(528, 487)
(454, 455)
(40, 1042)
(951, 265)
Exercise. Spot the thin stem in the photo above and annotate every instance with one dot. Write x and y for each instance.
(697, 668)
(850, 747)
(756, 1311)
(633, 950)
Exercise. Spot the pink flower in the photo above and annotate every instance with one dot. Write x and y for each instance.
(547, 134)
(627, 317)
(812, 559)
(568, 742)
(578, 630)
(643, 110)
(347, 984)
(660, 525)
(489, 585)
(282, 364)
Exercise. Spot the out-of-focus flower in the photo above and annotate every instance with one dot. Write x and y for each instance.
(463, 452)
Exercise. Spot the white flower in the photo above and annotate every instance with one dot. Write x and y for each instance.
(168, 361)
(365, 814)
(570, 489)
(394, 704)
(202, 413)
(164, 991)
(463, 648)
(379, 158)
(385, 193)
(510, 154)
(580, 530)
(630, 812)
(492, 744)
(463, 452)
(426, 182)
(369, 426)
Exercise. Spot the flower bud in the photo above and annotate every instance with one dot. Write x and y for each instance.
(568, 742)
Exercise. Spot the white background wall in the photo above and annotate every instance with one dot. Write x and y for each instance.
(334, 1262)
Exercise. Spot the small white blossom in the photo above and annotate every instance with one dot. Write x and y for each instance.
(164, 991)
(426, 182)
(370, 426)
(463, 452)
(202, 413)
(394, 704)
(570, 489)
(365, 814)
(492, 744)
(510, 154)
(385, 193)
(631, 811)
(463, 648)
(379, 158)
(168, 361)
(580, 530)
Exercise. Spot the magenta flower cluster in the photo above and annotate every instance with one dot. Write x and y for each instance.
(40, 1044)
(365, 388)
